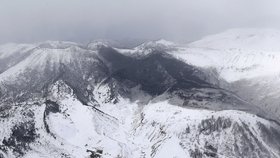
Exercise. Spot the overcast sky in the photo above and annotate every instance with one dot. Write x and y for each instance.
(85, 20)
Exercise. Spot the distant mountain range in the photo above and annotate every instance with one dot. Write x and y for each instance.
(216, 97)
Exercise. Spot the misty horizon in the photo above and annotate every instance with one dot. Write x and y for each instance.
(84, 21)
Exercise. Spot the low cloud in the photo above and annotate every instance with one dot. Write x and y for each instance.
(85, 20)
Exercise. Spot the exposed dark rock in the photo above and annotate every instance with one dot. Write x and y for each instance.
(246, 143)
(4, 110)
(95, 154)
(51, 107)
(211, 125)
(157, 73)
(22, 135)
(196, 153)
(211, 151)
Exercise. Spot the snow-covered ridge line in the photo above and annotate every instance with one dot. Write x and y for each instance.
(245, 39)
(236, 54)
(71, 103)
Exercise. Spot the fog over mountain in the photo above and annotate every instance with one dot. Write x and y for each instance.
(85, 20)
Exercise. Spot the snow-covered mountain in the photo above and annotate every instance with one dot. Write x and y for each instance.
(248, 59)
(244, 39)
(160, 99)
(149, 47)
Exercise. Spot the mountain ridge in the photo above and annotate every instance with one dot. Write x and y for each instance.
(70, 100)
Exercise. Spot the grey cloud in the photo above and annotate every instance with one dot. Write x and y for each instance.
(84, 20)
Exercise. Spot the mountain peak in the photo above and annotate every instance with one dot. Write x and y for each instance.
(157, 43)
(164, 42)
(97, 44)
(56, 44)
(61, 99)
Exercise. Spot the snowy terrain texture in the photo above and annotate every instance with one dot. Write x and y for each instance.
(214, 98)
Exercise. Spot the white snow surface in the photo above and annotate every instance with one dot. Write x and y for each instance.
(156, 129)
(10, 49)
(127, 129)
(233, 65)
(237, 54)
(245, 39)
(148, 47)
(48, 54)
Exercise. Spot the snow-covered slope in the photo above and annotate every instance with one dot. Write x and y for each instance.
(63, 99)
(11, 54)
(233, 65)
(149, 47)
(249, 59)
(11, 49)
(62, 126)
(236, 54)
(245, 39)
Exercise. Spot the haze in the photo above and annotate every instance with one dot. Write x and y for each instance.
(86, 20)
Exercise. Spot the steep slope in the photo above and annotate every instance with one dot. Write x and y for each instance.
(47, 64)
(248, 59)
(241, 53)
(149, 47)
(11, 54)
(67, 100)
(160, 74)
(62, 126)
